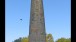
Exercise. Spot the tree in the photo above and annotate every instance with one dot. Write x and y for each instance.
(68, 40)
(49, 38)
(17, 40)
(25, 39)
(63, 40)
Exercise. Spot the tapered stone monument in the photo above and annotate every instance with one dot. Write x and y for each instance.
(37, 23)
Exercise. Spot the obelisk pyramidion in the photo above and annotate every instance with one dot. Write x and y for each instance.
(37, 23)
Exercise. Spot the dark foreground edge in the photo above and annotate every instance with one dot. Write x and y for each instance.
(73, 21)
(2, 20)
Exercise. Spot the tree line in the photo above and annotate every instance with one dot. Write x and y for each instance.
(25, 39)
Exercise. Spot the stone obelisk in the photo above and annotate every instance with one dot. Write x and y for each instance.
(37, 23)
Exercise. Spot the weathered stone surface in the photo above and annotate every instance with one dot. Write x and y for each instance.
(37, 23)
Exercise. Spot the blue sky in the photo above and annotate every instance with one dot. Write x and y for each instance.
(57, 18)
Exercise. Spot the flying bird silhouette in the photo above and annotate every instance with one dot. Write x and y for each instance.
(20, 19)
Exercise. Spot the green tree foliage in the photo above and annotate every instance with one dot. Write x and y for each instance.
(17, 40)
(25, 39)
(63, 40)
(68, 40)
(49, 38)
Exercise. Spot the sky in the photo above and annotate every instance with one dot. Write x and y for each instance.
(57, 15)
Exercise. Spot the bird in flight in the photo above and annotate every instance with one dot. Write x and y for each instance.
(20, 19)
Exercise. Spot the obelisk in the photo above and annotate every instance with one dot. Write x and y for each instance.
(37, 22)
